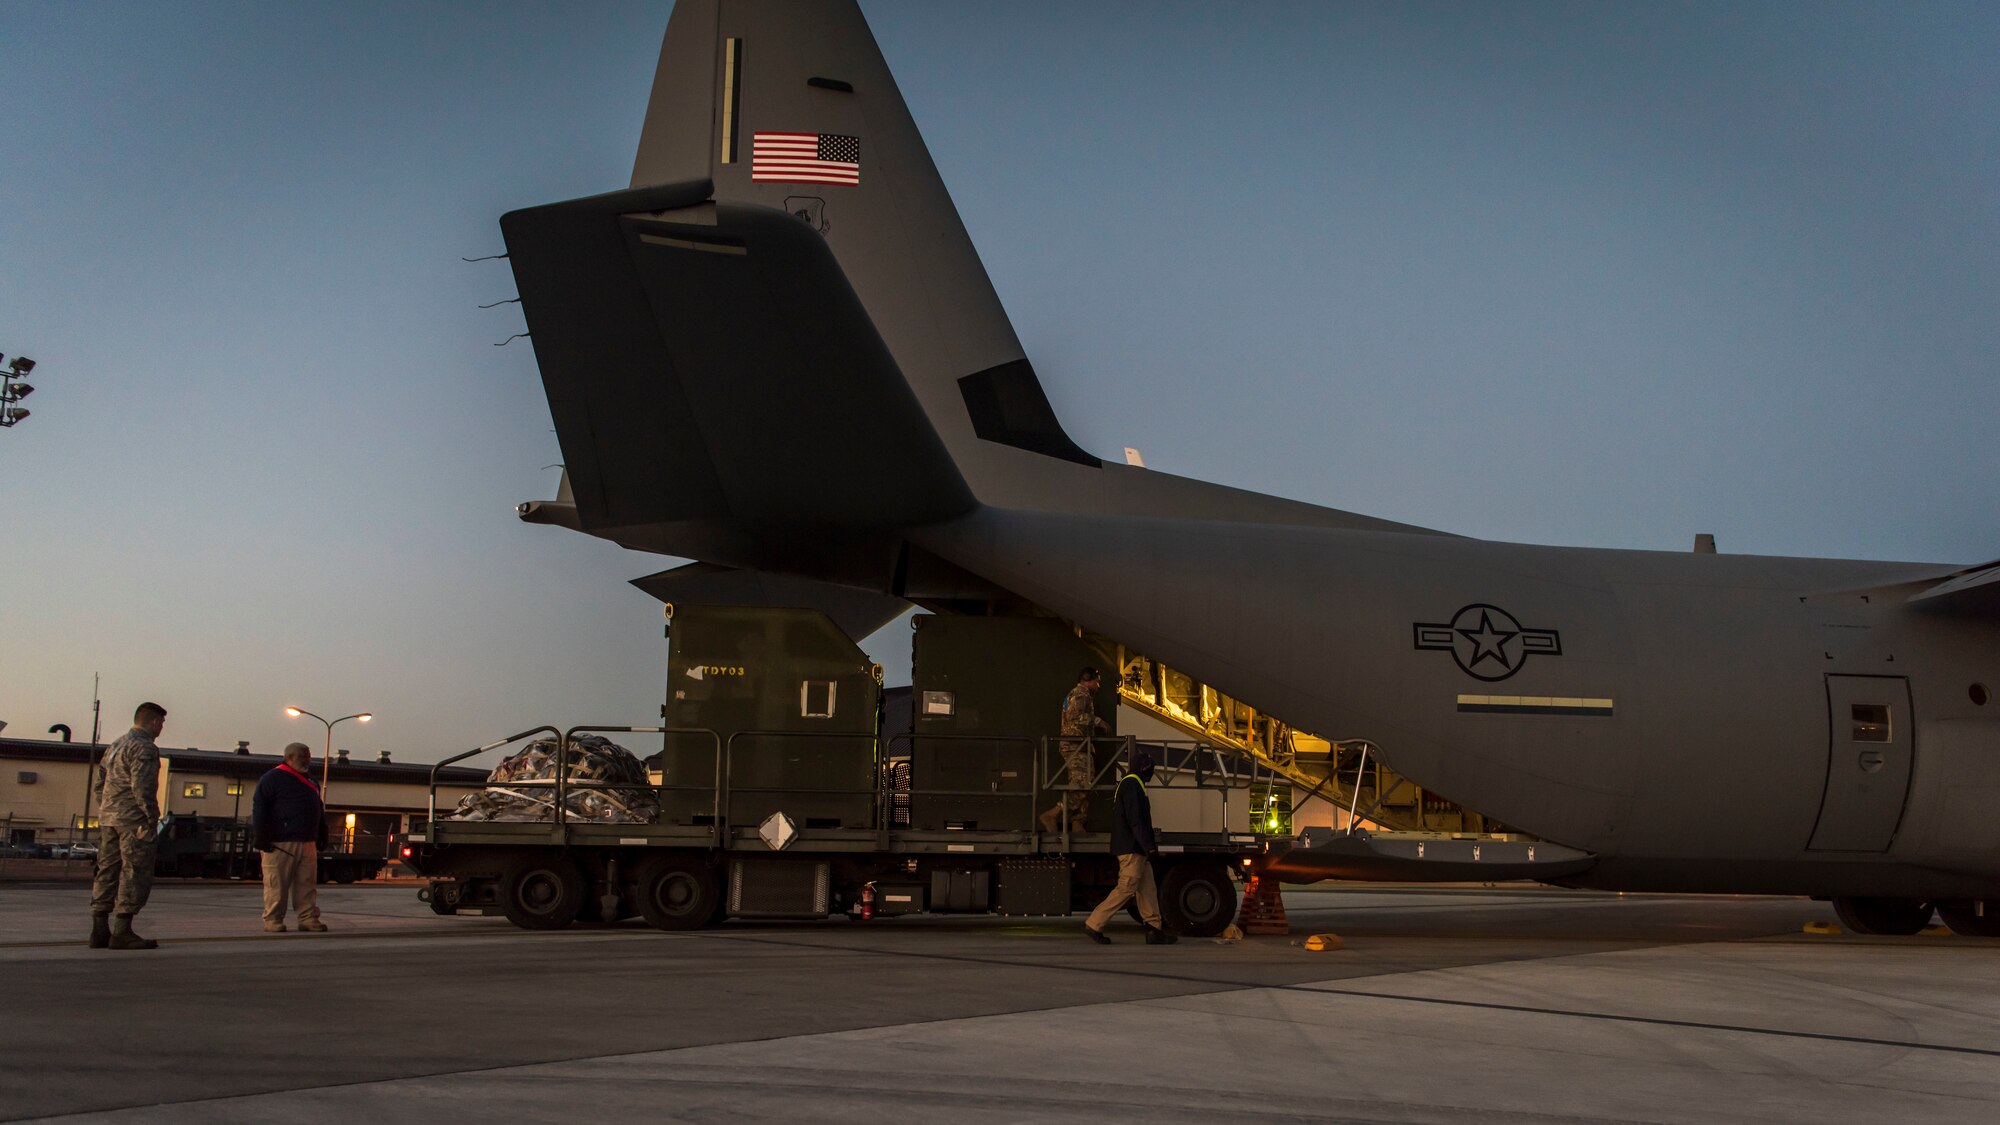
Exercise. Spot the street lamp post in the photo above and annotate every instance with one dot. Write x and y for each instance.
(326, 760)
(13, 390)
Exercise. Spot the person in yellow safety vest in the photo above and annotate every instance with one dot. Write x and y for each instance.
(1132, 841)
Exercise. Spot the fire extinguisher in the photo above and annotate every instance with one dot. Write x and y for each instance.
(867, 902)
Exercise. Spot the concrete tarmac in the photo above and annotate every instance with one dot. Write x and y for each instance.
(1447, 1004)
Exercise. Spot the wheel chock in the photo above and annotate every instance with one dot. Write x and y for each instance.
(1230, 934)
(1821, 928)
(1263, 909)
(1936, 931)
(1321, 942)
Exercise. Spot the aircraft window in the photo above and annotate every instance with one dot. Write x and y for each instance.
(1871, 722)
(816, 699)
(1978, 694)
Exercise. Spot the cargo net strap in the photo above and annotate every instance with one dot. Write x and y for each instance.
(592, 760)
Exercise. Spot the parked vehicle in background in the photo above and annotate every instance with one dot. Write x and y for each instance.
(218, 847)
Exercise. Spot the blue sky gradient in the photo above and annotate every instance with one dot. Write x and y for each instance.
(1591, 274)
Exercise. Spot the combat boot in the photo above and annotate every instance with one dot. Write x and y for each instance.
(122, 936)
(100, 931)
(1160, 937)
(1051, 823)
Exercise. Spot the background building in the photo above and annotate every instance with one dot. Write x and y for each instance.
(43, 790)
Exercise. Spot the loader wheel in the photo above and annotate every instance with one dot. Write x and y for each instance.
(542, 894)
(1197, 898)
(433, 896)
(679, 894)
(1965, 923)
(1896, 917)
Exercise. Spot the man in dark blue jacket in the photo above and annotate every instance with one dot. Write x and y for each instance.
(288, 824)
(1133, 843)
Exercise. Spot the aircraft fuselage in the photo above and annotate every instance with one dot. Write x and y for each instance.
(1688, 718)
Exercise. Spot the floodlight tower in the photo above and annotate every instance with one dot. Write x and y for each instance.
(13, 390)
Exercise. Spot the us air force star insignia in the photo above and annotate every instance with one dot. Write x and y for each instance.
(1487, 642)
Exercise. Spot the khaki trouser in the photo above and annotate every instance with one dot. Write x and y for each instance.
(291, 870)
(124, 877)
(1135, 880)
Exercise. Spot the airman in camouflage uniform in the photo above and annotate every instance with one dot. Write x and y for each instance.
(1079, 718)
(128, 832)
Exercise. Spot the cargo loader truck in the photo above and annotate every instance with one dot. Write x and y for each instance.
(781, 790)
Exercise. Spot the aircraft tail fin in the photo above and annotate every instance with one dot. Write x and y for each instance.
(768, 329)
(782, 326)
(792, 107)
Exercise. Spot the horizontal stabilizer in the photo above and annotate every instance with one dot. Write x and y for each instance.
(561, 511)
(711, 363)
(859, 613)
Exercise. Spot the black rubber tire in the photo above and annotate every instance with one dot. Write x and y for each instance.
(433, 897)
(1965, 923)
(1197, 898)
(678, 893)
(1887, 917)
(542, 894)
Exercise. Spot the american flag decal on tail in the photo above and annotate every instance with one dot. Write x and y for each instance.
(806, 158)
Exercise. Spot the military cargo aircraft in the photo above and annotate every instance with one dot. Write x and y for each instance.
(777, 353)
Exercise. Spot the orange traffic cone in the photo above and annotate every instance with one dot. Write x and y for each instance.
(1263, 910)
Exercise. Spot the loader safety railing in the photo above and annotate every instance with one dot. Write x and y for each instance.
(475, 751)
(717, 794)
(719, 790)
(1213, 768)
(1190, 763)
(1029, 792)
(729, 788)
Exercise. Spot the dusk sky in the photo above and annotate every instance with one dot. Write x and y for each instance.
(1591, 274)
